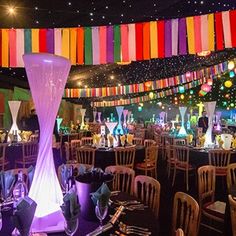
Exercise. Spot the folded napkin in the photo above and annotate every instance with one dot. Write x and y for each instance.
(234, 142)
(122, 139)
(23, 215)
(65, 174)
(130, 138)
(7, 180)
(110, 139)
(189, 138)
(10, 136)
(219, 141)
(82, 169)
(2, 137)
(70, 208)
(25, 135)
(30, 171)
(96, 139)
(102, 194)
(202, 141)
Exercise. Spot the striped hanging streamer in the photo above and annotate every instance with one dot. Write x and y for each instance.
(80, 45)
(20, 45)
(73, 44)
(204, 33)
(12, 47)
(174, 36)
(132, 42)
(146, 40)
(88, 50)
(198, 33)
(233, 27)
(5, 46)
(124, 42)
(95, 41)
(27, 40)
(35, 40)
(65, 50)
(50, 40)
(103, 44)
(57, 42)
(153, 39)
(191, 35)
(226, 29)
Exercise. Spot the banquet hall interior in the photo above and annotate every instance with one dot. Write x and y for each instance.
(118, 117)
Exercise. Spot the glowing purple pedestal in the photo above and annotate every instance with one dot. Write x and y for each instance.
(47, 75)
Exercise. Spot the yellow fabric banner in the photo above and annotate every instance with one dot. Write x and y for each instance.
(35, 40)
(153, 38)
(66, 43)
(5, 47)
(190, 33)
(73, 38)
(211, 33)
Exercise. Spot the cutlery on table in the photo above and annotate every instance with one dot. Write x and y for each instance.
(135, 232)
(123, 225)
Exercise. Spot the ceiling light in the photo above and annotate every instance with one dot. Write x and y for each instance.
(11, 10)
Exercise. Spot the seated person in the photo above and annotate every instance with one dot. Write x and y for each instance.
(203, 122)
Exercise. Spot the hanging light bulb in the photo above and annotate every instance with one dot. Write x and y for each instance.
(151, 95)
(231, 65)
(181, 89)
(228, 83)
(231, 74)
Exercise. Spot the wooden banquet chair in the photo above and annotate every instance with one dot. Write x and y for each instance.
(179, 232)
(125, 156)
(181, 156)
(3, 161)
(178, 141)
(185, 214)
(86, 141)
(86, 155)
(211, 209)
(123, 178)
(74, 136)
(170, 159)
(148, 190)
(70, 149)
(149, 142)
(137, 141)
(231, 176)
(150, 161)
(29, 154)
(232, 204)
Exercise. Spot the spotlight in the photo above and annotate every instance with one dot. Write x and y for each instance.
(11, 10)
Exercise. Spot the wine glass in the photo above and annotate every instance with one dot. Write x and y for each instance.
(101, 211)
(71, 227)
(6, 198)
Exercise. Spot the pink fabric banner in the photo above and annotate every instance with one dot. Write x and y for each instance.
(57, 42)
(197, 33)
(204, 32)
(132, 42)
(227, 29)
(12, 45)
(20, 45)
(174, 36)
(95, 43)
(103, 44)
(124, 43)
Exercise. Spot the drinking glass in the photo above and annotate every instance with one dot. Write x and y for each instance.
(6, 198)
(101, 211)
(71, 227)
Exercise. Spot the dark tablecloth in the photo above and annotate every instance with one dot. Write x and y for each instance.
(131, 217)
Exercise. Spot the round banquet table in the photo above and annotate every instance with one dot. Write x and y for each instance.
(106, 157)
(199, 157)
(135, 217)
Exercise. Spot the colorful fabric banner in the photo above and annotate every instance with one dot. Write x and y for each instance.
(198, 33)
(80, 46)
(88, 51)
(132, 42)
(35, 40)
(42, 40)
(73, 42)
(139, 41)
(182, 37)
(161, 38)
(57, 42)
(50, 40)
(168, 39)
(124, 43)
(233, 27)
(110, 44)
(20, 45)
(103, 44)
(191, 35)
(153, 39)
(12, 39)
(65, 51)
(219, 31)
(117, 41)
(174, 36)
(226, 29)
(5, 47)
(146, 41)
(96, 44)
(27, 41)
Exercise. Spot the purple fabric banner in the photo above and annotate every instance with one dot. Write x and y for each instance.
(182, 37)
(168, 42)
(95, 42)
(110, 43)
(50, 40)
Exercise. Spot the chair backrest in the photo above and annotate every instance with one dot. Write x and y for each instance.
(123, 178)
(179, 232)
(206, 183)
(181, 154)
(149, 142)
(185, 214)
(219, 158)
(125, 156)
(179, 141)
(74, 144)
(30, 150)
(137, 141)
(140, 133)
(231, 176)
(34, 138)
(86, 141)
(151, 154)
(2, 151)
(232, 204)
(72, 137)
(148, 190)
(86, 156)
(169, 140)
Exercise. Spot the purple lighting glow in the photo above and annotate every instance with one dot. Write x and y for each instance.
(47, 75)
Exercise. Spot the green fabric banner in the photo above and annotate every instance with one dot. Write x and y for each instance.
(88, 50)
(28, 41)
(117, 43)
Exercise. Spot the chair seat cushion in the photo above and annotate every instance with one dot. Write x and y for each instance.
(144, 165)
(221, 171)
(183, 166)
(216, 209)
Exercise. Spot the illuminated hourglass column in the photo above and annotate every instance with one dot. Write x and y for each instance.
(162, 118)
(218, 116)
(182, 131)
(119, 112)
(210, 109)
(94, 116)
(129, 117)
(111, 126)
(47, 75)
(188, 122)
(14, 109)
(99, 117)
(173, 124)
(59, 121)
(82, 113)
(125, 113)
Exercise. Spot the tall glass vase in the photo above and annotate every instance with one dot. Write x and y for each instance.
(210, 109)
(111, 126)
(82, 112)
(119, 129)
(94, 116)
(14, 107)
(182, 131)
(47, 75)
(99, 117)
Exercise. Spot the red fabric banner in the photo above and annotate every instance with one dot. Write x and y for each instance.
(139, 41)
(146, 41)
(42, 40)
(80, 46)
(161, 38)
(219, 31)
(233, 27)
